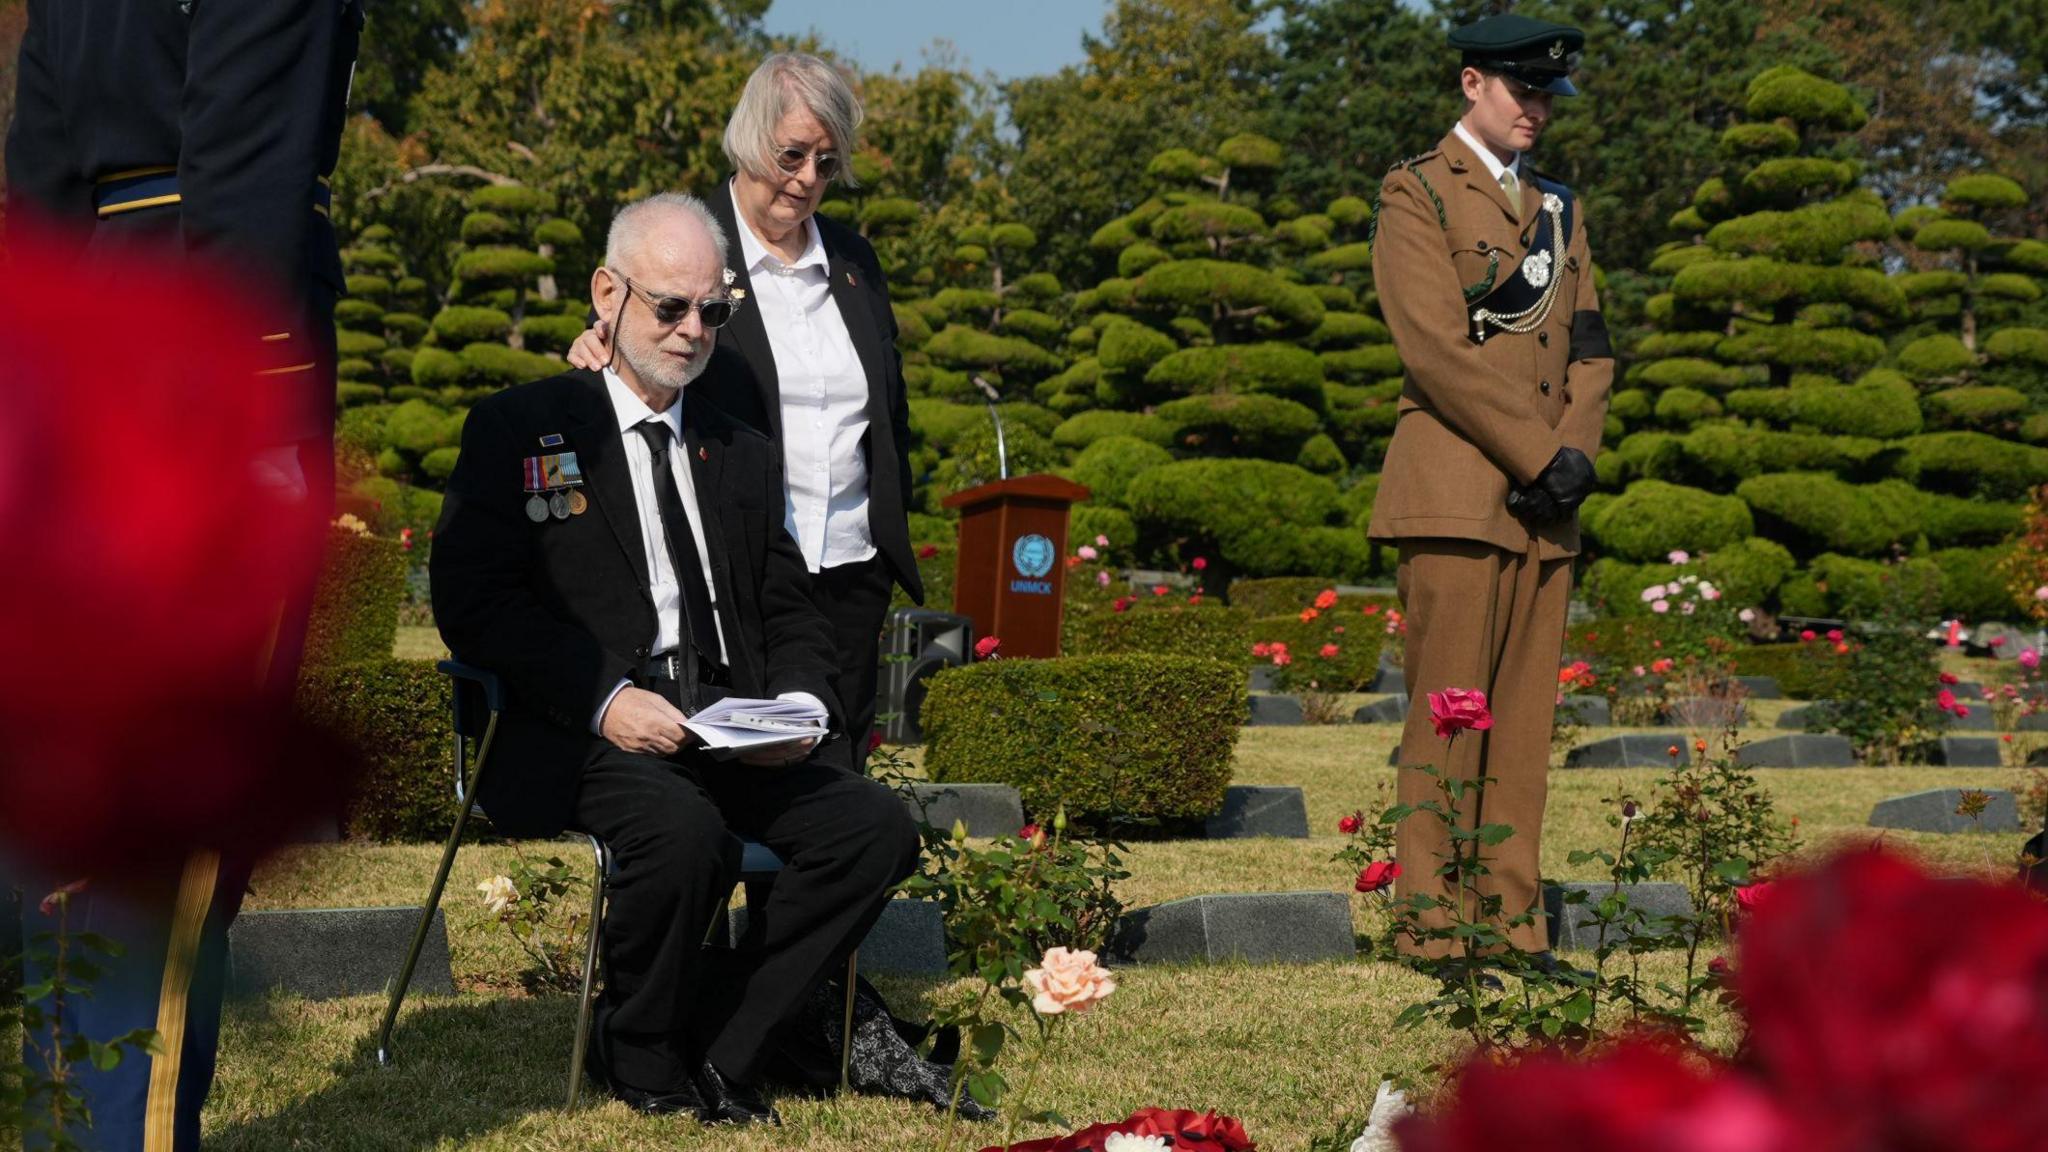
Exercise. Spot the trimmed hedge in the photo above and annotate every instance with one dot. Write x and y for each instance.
(1358, 648)
(1104, 735)
(1168, 627)
(1813, 512)
(1972, 587)
(1084, 428)
(1108, 466)
(1973, 464)
(1654, 518)
(1281, 370)
(1793, 666)
(355, 608)
(396, 713)
(1288, 595)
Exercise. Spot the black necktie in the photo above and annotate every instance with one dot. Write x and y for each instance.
(698, 629)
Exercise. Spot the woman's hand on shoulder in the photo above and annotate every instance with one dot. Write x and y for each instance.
(589, 350)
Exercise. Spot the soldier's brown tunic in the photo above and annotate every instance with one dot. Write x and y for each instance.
(1485, 593)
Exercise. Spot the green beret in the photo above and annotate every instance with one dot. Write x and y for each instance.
(1534, 52)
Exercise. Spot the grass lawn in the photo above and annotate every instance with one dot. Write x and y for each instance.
(1288, 1049)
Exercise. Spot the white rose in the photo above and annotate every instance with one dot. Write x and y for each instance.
(1125, 1142)
(1389, 1104)
(499, 895)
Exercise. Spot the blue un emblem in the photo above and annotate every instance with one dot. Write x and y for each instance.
(1033, 555)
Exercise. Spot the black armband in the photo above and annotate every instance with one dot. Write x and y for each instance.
(1589, 336)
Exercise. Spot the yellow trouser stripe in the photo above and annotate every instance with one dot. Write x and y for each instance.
(133, 205)
(188, 918)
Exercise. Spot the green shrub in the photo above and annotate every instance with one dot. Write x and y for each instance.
(1800, 669)
(439, 464)
(1363, 364)
(960, 347)
(1951, 521)
(1031, 324)
(1653, 518)
(1204, 220)
(361, 315)
(1346, 330)
(1654, 455)
(1252, 425)
(1813, 512)
(1936, 358)
(1358, 648)
(1132, 348)
(1200, 285)
(496, 365)
(1159, 626)
(1090, 520)
(1952, 235)
(1766, 139)
(1684, 407)
(1103, 735)
(2018, 345)
(1082, 429)
(550, 333)
(355, 609)
(1749, 571)
(1108, 466)
(1343, 258)
(1803, 98)
(1630, 404)
(417, 427)
(1320, 455)
(511, 199)
(1261, 515)
(1270, 369)
(1686, 372)
(501, 266)
(1973, 464)
(1838, 351)
(351, 395)
(1264, 596)
(1856, 588)
(1972, 585)
(1977, 406)
(396, 713)
(936, 561)
(460, 324)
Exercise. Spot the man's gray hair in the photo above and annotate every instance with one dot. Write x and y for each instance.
(783, 82)
(629, 224)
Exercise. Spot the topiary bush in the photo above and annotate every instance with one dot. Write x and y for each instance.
(1159, 626)
(355, 608)
(1973, 464)
(1129, 735)
(1084, 428)
(1976, 406)
(1250, 425)
(1283, 595)
(1653, 518)
(1270, 369)
(1812, 512)
(1108, 466)
(1939, 357)
(396, 713)
(1748, 572)
(1972, 583)
(1358, 648)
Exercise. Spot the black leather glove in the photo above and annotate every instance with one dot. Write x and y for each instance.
(1531, 504)
(1567, 480)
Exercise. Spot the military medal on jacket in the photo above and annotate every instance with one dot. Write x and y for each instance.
(555, 483)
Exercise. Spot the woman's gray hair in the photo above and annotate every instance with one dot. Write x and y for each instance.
(628, 227)
(782, 83)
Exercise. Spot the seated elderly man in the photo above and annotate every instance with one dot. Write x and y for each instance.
(613, 548)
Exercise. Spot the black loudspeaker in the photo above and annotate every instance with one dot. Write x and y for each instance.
(919, 643)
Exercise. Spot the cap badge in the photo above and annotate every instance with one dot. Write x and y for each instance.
(1557, 50)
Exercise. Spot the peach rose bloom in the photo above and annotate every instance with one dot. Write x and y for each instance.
(1067, 981)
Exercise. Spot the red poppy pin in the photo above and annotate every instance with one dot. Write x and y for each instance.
(850, 280)
(702, 454)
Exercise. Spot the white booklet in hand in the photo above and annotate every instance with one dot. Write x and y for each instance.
(734, 725)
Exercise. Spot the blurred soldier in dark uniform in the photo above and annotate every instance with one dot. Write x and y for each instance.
(188, 131)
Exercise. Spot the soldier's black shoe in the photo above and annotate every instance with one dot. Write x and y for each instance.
(1547, 963)
(1452, 974)
(730, 1102)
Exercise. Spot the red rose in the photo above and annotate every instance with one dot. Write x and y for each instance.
(1371, 610)
(1262, 649)
(1945, 700)
(1997, 641)
(1948, 678)
(1308, 614)
(143, 540)
(1195, 599)
(1199, 564)
(48, 907)
(1377, 875)
(985, 648)
(1808, 634)
(1160, 589)
(1962, 710)
(1835, 634)
(928, 551)
(1327, 652)
(1751, 897)
(1352, 823)
(1455, 709)
(1643, 1095)
(1122, 604)
(1193, 1131)
(1326, 599)
(1893, 1009)
(1028, 832)
(874, 739)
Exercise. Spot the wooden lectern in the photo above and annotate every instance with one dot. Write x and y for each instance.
(1010, 576)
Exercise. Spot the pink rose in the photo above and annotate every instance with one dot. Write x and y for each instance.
(1455, 709)
(1102, 541)
(1661, 607)
(1679, 557)
(1102, 578)
(2030, 659)
(61, 895)
(1653, 592)
(1199, 564)
(1085, 552)
(985, 648)
(1746, 615)
(2041, 593)
(1328, 652)
(1945, 700)
(1067, 981)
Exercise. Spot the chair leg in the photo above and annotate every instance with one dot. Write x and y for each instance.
(846, 1028)
(602, 857)
(419, 932)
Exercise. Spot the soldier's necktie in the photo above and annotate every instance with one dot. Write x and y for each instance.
(1513, 188)
(698, 628)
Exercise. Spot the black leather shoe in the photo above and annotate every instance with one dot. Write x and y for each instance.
(730, 1102)
(683, 1100)
(1451, 973)
(1547, 963)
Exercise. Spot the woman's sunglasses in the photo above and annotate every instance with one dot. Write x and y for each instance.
(670, 310)
(791, 160)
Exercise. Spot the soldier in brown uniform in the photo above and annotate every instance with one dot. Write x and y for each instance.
(1486, 281)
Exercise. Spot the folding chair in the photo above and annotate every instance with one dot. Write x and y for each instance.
(478, 700)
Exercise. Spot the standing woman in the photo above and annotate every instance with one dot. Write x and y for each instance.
(811, 358)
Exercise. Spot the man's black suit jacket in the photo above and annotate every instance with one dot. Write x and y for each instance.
(561, 610)
(742, 379)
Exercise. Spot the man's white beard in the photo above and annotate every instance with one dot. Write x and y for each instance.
(659, 369)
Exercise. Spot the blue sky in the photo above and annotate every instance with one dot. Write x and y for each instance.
(1005, 37)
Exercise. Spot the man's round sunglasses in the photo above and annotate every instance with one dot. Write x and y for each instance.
(791, 160)
(669, 310)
